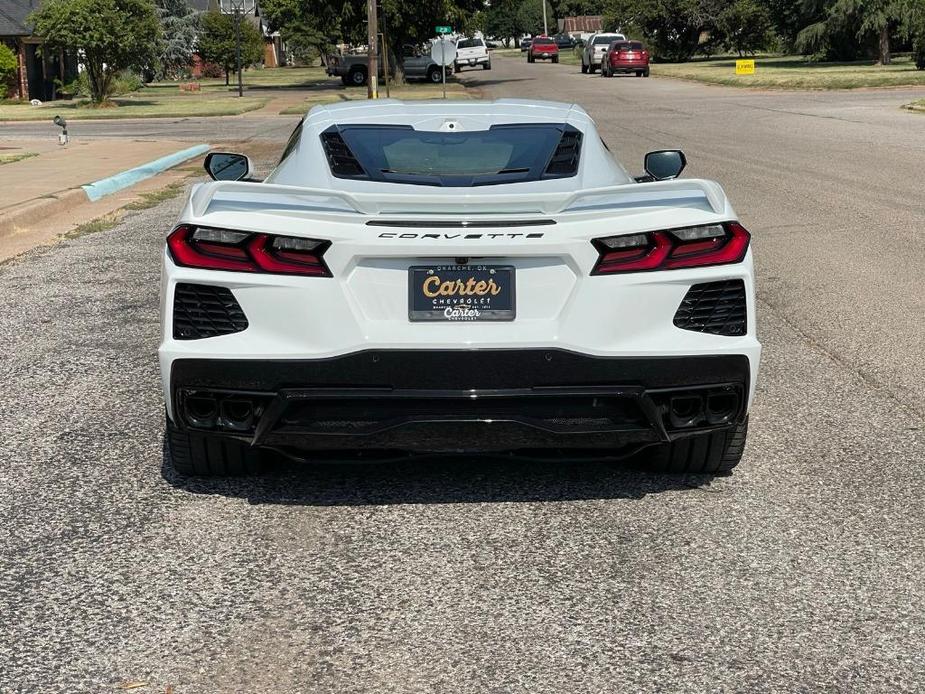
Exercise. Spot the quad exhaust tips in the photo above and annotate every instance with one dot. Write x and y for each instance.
(702, 408)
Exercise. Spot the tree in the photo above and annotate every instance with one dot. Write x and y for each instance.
(306, 27)
(745, 26)
(218, 41)
(107, 35)
(180, 27)
(874, 21)
(8, 65)
(671, 27)
(501, 20)
(530, 17)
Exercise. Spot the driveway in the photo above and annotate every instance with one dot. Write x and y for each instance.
(803, 571)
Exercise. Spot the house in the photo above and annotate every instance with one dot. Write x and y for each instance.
(583, 23)
(38, 69)
(274, 53)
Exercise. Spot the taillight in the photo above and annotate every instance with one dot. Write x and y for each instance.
(699, 246)
(241, 251)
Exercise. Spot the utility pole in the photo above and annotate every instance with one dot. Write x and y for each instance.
(385, 52)
(372, 81)
(545, 27)
(237, 31)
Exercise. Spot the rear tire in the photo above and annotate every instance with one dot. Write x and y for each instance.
(200, 455)
(592, 68)
(486, 66)
(555, 59)
(584, 68)
(646, 73)
(434, 75)
(713, 453)
(530, 58)
(357, 77)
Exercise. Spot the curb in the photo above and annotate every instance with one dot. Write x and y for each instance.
(28, 213)
(125, 179)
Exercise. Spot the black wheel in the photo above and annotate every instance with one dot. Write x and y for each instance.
(555, 59)
(638, 73)
(584, 69)
(592, 68)
(357, 77)
(716, 452)
(530, 58)
(646, 73)
(486, 66)
(456, 67)
(434, 75)
(201, 455)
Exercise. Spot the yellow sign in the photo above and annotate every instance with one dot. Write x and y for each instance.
(745, 67)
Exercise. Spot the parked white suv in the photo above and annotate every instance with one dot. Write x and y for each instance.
(594, 50)
(470, 53)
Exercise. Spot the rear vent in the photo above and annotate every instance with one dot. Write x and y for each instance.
(714, 307)
(564, 161)
(342, 161)
(201, 310)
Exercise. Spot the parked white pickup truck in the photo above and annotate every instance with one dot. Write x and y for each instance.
(470, 53)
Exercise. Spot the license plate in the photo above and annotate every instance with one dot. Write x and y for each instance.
(461, 293)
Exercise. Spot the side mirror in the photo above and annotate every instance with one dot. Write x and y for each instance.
(226, 166)
(665, 164)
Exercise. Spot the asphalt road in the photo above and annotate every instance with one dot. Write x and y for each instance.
(804, 571)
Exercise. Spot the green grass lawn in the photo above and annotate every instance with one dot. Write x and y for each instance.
(255, 80)
(145, 103)
(336, 93)
(796, 73)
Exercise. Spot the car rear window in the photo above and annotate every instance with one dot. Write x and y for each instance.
(543, 42)
(635, 46)
(470, 43)
(604, 40)
(501, 154)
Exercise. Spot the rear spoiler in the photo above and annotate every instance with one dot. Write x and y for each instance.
(232, 196)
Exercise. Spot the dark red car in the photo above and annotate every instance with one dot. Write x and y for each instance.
(543, 47)
(625, 56)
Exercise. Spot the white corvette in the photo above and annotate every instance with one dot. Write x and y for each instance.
(475, 276)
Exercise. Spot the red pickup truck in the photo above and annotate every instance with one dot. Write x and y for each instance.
(544, 48)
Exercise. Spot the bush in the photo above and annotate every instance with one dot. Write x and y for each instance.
(212, 70)
(126, 82)
(8, 65)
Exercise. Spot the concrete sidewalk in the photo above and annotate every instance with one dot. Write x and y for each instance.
(46, 186)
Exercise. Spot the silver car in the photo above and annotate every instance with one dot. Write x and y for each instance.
(595, 48)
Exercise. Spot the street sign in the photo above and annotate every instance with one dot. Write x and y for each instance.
(443, 52)
(745, 67)
(444, 30)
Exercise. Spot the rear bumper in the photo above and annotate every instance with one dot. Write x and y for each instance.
(472, 61)
(460, 400)
(628, 66)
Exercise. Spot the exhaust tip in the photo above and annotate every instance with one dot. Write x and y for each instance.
(201, 411)
(721, 407)
(237, 414)
(685, 410)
